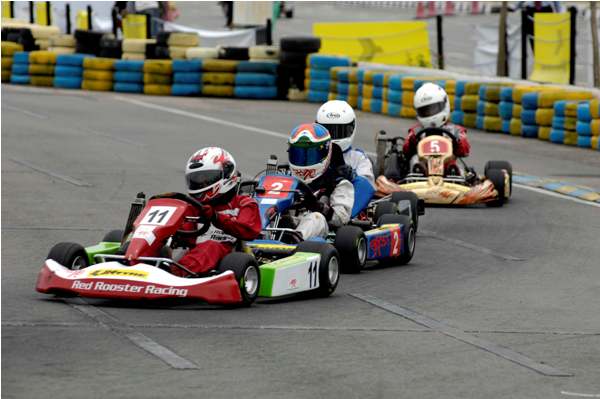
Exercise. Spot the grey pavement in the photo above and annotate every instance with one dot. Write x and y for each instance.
(524, 276)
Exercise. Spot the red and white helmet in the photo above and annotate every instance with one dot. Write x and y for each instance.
(432, 105)
(210, 173)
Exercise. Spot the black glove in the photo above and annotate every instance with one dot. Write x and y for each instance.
(345, 172)
(324, 208)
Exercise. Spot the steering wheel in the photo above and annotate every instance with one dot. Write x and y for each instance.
(437, 131)
(307, 197)
(196, 204)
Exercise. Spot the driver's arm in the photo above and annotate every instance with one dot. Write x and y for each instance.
(411, 141)
(246, 225)
(341, 202)
(464, 148)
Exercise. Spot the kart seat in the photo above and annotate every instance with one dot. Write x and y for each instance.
(363, 192)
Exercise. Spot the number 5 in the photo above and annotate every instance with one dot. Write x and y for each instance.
(435, 146)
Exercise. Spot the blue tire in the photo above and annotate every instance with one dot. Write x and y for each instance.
(459, 91)
(584, 141)
(530, 101)
(129, 77)
(260, 92)
(376, 105)
(343, 76)
(258, 67)
(528, 117)
(186, 89)
(584, 113)
(194, 78)
(315, 96)
(187, 65)
(394, 108)
(583, 128)
(128, 87)
(343, 88)
(558, 122)
(71, 59)
(530, 131)
(377, 92)
(481, 107)
(506, 94)
(395, 83)
(327, 61)
(67, 82)
(458, 117)
(394, 96)
(560, 107)
(129, 65)
(319, 85)
(378, 79)
(557, 136)
(20, 69)
(505, 109)
(458, 103)
(318, 74)
(479, 122)
(21, 57)
(256, 79)
(68, 71)
(19, 79)
(506, 126)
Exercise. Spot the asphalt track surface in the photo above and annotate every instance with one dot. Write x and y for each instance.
(496, 303)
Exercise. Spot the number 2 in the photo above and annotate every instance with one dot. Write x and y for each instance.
(395, 243)
(276, 188)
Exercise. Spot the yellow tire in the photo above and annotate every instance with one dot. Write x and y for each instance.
(331, 96)
(162, 67)
(516, 110)
(469, 102)
(353, 90)
(135, 45)
(157, 89)
(595, 141)
(547, 99)
(595, 109)
(595, 127)
(97, 85)
(570, 137)
(42, 57)
(470, 119)
(177, 53)
(366, 104)
(62, 50)
(62, 41)
(134, 56)
(367, 91)
(218, 78)
(570, 123)
(264, 52)
(352, 100)
(100, 64)
(219, 65)
(6, 62)
(157, 79)
(544, 132)
(515, 127)
(491, 109)
(472, 88)
(45, 81)
(193, 53)
(492, 124)
(43, 44)
(9, 48)
(217, 90)
(543, 116)
(408, 112)
(6, 75)
(450, 86)
(183, 39)
(41, 69)
(92, 74)
(43, 31)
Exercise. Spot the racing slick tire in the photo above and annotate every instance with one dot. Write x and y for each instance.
(496, 176)
(500, 165)
(351, 244)
(409, 237)
(306, 44)
(113, 236)
(70, 255)
(245, 268)
(384, 208)
(329, 267)
(398, 196)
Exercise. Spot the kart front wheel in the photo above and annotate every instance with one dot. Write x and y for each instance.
(409, 237)
(500, 165)
(497, 177)
(412, 198)
(70, 255)
(245, 268)
(329, 266)
(351, 243)
(113, 236)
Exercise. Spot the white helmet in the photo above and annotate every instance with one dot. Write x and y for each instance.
(210, 173)
(432, 105)
(338, 117)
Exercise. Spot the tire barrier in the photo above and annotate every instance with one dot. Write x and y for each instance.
(293, 61)
(318, 89)
(68, 73)
(41, 67)
(201, 53)
(138, 49)
(218, 77)
(98, 74)
(256, 79)
(587, 126)
(263, 53)
(8, 51)
(177, 44)
(158, 77)
(110, 47)
(129, 76)
(187, 78)
(62, 44)
(19, 35)
(88, 42)
(344, 84)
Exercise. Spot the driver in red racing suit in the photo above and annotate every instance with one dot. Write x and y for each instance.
(211, 178)
(433, 110)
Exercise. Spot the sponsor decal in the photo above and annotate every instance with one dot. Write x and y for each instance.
(118, 272)
(333, 115)
(380, 246)
(132, 288)
(305, 174)
(145, 232)
(293, 284)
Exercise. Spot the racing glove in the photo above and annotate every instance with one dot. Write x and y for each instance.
(207, 212)
(345, 172)
(324, 208)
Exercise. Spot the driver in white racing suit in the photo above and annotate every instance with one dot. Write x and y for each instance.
(339, 119)
(317, 162)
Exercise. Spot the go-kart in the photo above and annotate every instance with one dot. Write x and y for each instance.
(381, 230)
(430, 180)
(136, 263)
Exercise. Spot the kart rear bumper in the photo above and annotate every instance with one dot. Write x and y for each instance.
(139, 282)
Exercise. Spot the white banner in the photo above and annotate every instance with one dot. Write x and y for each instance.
(213, 38)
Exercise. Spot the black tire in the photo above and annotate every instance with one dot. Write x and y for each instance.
(162, 38)
(245, 268)
(293, 58)
(234, 53)
(409, 236)
(306, 44)
(329, 259)
(70, 255)
(113, 236)
(496, 176)
(351, 244)
(160, 52)
(384, 208)
(500, 165)
(414, 204)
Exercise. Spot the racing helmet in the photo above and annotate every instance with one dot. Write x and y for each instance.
(432, 105)
(338, 117)
(210, 173)
(309, 151)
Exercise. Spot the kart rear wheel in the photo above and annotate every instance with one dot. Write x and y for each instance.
(351, 243)
(500, 165)
(409, 237)
(329, 266)
(384, 208)
(70, 255)
(113, 236)
(414, 204)
(245, 268)
(496, 176)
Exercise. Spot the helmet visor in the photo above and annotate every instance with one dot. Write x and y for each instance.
(339, 131)
(202, 179)
(308, 155)
(431, 109)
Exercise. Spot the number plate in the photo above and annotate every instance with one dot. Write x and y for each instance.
(276, 187)
(158, 215)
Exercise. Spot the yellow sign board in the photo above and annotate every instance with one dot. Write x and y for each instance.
(6, 11)
(134, 26)
(552, 51)
(397, 42)
(81, 20)
(41, 14)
